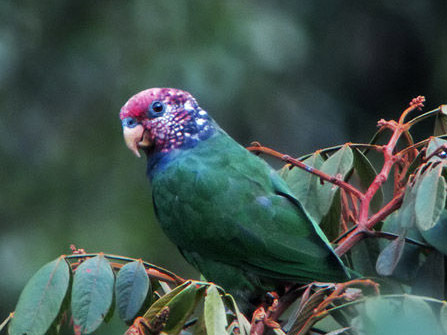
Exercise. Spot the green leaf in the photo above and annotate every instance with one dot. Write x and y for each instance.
(364, 257)
(443, 316)
(317, 199)
(367, 173)
(339, 164)
(346, 330)
(441, 122)
(376, 137)
(436, 236)
(430, 277)
(417, 161)
(375, 316)
(92, 293)
(181, 302)
(396, 315)
(181, 306)
(430, 198)
(406, 216)
(408, 264)
(131, 288)
(434, 144)
(393, 225)
(419, 316)
(215, 317)
(330, 223)
(300, 321)
(164, 300)
(244, 324)
(304, 184)
(41, 299)
(199, 327)
(390, 256)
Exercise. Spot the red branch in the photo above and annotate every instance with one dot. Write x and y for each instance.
(295, 162)
(362, 222)
(390, 158)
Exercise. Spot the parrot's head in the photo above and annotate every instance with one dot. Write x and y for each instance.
(163, 119)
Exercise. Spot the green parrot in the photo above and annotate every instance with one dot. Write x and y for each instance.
(230, 214)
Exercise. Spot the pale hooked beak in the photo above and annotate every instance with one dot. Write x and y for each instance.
(136, 138)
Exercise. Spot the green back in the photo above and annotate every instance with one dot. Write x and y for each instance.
(231, 215)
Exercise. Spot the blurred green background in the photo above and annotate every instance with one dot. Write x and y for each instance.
(294, 75)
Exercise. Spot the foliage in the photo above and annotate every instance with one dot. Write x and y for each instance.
(389, 226)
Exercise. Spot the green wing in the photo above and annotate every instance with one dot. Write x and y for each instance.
(219, 202)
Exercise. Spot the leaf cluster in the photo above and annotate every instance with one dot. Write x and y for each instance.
(88, 288)
(383, 206)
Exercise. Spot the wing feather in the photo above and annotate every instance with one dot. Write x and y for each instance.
(222, 202)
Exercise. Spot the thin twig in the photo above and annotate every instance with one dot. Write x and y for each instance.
(295, 162)
(391, 236)
(175, 278)
(6, 321)
(424, 116)
(385, 211)
(366, 146)
(390, 158)
(419, 144)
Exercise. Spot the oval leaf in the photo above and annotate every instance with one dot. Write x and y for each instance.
(406, 216)
(420, 318)
(163, 301)
(92, 294)
(304, 184)
(434, 145)
(182, 306)
(41, 299)
(441, 122)
(340, 164)
(397, 315)
(437, 235)
(443, 317)
(430, 198)
(181, 302)
(244, 325)
(407, 267)
(132, 287)
(390, 256)
(215, 317)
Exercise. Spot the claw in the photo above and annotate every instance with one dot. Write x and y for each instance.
(258, 315)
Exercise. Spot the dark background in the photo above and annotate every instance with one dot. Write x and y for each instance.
(294, 75)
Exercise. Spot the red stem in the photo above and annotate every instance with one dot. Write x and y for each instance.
(364, 223)
(295, 162)
(386, 210)
(358, 234)
(380, 178)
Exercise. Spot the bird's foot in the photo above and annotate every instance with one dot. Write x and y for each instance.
(258, 315)
(271, 298)
(273, 303)
(262, 318)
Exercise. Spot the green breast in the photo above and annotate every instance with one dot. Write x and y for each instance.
(200, 192)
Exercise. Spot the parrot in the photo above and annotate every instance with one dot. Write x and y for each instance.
(227, 210)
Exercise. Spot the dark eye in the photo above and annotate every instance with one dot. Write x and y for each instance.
(129, 122)
(156, 108)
